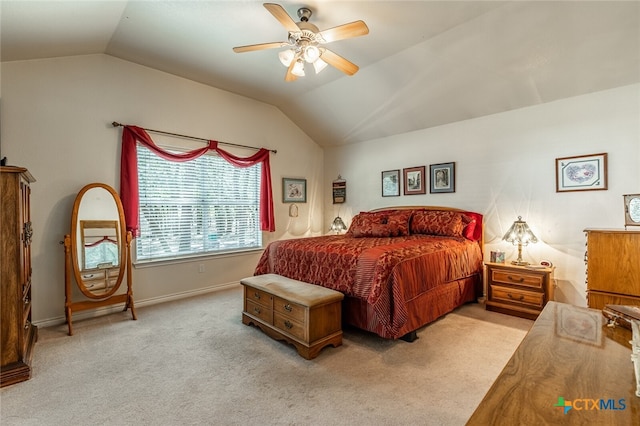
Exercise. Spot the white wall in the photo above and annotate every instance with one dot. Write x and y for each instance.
(56, 121)
(505, 167)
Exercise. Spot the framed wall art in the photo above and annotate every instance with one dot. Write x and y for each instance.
(581, 173)
(294, 190)
(443, 177)
(391, 183)
(339, 190)
(414, 180)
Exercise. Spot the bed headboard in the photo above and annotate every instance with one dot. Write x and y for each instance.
(478, 216)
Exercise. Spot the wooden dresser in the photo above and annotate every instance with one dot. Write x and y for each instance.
(305, 315)
(518, 290)
(18, 333)
(613, 267)
(570, 369)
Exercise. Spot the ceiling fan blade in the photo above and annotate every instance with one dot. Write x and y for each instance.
(281, 15)
(339, 62)
(352, 29)
(262, 46)
(289, 76)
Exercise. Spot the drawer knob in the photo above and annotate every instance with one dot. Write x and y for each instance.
(257, 310)
(520, 298)
(287, 307)
(288, 324)
(519, 280)
(256, 295)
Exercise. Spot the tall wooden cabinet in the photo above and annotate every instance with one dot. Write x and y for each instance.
(18, 333)
(613, 267)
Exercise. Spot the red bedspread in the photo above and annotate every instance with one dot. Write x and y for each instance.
(385, 272)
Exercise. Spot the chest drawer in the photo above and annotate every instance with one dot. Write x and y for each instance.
(517, 278)
(258, 296)
(517, 296)
(289, 309)
(259, 311)
(288, 325)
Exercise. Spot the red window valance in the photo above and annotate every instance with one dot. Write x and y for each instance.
(129, 174)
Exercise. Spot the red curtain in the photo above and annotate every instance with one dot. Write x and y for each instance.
(129, 175)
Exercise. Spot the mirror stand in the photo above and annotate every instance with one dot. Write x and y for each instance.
(97, 252)
(71, 306)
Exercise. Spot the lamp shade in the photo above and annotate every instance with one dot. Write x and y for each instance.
(338, 225)
(521, 235)
(286, 56)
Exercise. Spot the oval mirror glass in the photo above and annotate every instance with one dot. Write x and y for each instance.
(97, 241)
(634, 209)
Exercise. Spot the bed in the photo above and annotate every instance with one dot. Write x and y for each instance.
(399, 268)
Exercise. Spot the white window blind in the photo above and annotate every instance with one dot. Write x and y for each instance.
(196, 207)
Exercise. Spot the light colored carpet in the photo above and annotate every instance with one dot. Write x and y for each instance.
(192, 362)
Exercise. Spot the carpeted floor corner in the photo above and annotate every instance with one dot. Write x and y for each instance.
(192, 362)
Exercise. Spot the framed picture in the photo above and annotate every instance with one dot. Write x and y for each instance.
(443, 177)
(581, 173)
(339, 188)
(294, 190)
(391, 183)
(414, 180)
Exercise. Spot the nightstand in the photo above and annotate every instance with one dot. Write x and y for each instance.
(518, 290)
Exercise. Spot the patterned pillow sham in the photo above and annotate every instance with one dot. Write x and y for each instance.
(389, 223)
(440, 222)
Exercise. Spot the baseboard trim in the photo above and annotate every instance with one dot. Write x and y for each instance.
(138, 304)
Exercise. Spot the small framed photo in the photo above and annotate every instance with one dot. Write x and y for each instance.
(391, 183)
(414, 180)
(443, 177)
(581, 173)
(294, 190)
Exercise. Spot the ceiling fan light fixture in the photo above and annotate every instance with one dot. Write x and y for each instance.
(286, 56)
(311, 54)
(298, 68)
(319, 65)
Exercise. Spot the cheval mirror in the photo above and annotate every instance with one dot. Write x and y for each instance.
(97, 252)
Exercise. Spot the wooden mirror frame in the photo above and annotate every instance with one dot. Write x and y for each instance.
(72, 265)
(630, 213)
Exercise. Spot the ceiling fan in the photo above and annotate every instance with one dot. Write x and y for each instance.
(304, 43)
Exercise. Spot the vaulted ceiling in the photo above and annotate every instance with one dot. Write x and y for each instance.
(423, 63)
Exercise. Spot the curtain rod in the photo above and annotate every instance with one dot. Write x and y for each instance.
(116, 124)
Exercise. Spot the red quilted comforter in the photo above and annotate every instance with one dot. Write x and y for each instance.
(385, 272)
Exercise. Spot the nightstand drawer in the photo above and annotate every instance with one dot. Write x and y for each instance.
(520, 297)
(517, 278)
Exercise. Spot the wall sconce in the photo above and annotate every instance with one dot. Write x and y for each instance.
(338, 225)
(520, 234)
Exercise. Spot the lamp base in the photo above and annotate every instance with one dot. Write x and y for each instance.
(519, 263)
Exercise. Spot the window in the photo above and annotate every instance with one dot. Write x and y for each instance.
(197, 207)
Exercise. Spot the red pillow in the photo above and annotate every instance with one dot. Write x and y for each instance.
(365, 224)
(439, 222)
(365, 220)
(473, 231)
(400, 219)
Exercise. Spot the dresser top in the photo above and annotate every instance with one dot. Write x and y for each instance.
(569, 356)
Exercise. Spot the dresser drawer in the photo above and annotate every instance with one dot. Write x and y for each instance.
(517, 278)
(258, 296)
(516, 296)
(289, 309)
(288, 325)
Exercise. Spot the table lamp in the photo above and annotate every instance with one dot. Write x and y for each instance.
(520, 234)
